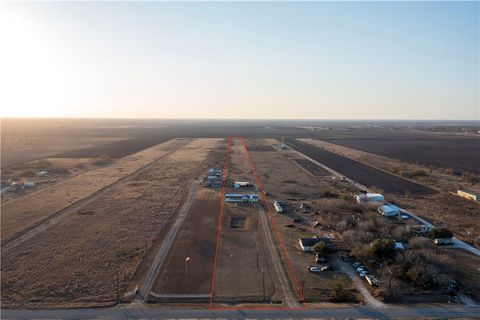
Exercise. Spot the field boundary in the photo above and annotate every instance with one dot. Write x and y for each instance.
(272, 220)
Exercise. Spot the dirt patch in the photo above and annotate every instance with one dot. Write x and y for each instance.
(196, 240)
(237, 222)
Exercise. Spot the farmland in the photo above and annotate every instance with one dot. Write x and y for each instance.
(76, 259)
(109, 211)
(366, 175)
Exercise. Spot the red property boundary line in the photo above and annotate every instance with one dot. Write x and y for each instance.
(272, 220)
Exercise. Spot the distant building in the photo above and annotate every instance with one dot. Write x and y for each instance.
(468, 194)
(43, 174)
(29, 184)
(241, 198)
(369, 197)
(306, 244)
(389, 210)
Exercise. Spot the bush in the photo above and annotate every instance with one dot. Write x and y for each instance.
(28, 173)
(339, 289)
(415, 173)
(440, 233)
(59, 170)
(382, 248)
(102, 160)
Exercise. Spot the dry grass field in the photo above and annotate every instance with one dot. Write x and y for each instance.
(76, 260)
(25, 212)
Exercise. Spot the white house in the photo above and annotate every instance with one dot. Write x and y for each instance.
(389, 210)
(369, 197)
(307, 243)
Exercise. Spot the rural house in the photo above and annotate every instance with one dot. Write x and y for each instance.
(241, 184)
(306, 244)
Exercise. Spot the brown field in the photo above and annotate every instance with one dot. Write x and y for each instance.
(197, 240)
(18, 215)
(362, 173)
(75, 261)
(242, 262)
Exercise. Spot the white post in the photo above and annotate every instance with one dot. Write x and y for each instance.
(186, 265)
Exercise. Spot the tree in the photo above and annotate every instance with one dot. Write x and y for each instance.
(322, 249)
(440, 233)
(382, 248)
(339, 289)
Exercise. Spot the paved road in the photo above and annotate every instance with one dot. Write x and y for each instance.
(283, 284)
(167, 243)
(141, 312)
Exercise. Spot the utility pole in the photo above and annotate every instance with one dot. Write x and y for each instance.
(263, 281)
(257, 258)
(118, 289)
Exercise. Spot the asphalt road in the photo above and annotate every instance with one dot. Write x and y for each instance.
(139, 312)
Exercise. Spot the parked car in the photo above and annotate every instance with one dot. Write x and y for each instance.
(360, 269)
(314, 269)
(344, 257)
(356, 264)
(363, 274)
(326, 268)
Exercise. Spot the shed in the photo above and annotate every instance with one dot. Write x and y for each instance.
(43, 174)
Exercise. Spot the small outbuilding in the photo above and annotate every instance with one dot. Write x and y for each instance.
(241, 184)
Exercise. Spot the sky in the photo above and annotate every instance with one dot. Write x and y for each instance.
(251, 60)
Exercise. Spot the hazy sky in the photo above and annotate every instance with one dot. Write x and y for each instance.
(390, 60)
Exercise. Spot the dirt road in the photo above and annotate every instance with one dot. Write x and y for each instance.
(283, 284)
